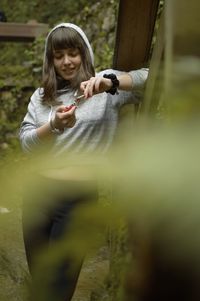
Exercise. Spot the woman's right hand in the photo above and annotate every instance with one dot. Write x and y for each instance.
(64, 119)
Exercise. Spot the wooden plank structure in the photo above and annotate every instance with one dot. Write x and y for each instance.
(136, 20)
(21, 32)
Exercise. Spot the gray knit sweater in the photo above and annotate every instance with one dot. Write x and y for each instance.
(97, 118)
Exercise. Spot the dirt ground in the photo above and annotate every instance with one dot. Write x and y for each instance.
(13, 267)
(93, 274)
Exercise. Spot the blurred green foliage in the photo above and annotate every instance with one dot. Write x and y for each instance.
(156, 198)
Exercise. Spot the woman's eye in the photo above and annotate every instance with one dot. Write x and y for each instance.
(70, 53)
(58, 56)
(73, 53)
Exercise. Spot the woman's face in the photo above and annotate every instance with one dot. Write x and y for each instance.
(67, 62)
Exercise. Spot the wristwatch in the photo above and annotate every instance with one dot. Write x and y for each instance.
(54, 129)
(115, 83)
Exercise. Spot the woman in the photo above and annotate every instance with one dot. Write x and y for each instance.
(76, 111)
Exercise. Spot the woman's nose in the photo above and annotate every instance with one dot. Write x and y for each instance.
(66, 59)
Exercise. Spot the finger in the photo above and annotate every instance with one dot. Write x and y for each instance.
(68, 119)
(88, 87)
(72, 111)
(69, 112)
(91, 86)
(98, 84)
(71, 118)
(60, 109)
(83, 86)
(70, 123)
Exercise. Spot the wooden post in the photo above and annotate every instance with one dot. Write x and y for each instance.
(152, 92)
(135, 28)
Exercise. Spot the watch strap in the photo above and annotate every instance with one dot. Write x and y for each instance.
(115, 83)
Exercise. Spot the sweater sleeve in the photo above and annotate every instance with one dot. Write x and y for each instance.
(28, 134)
(139, 78)
(134, 96)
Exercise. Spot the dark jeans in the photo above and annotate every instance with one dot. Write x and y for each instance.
(46, 224)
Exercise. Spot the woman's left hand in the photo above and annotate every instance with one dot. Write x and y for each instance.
(95, 85)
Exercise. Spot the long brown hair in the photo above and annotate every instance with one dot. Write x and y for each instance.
(63, 38)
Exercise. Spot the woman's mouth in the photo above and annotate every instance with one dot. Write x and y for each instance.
(68, 71)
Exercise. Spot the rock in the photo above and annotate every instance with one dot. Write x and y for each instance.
(4, 210)
(4, 146)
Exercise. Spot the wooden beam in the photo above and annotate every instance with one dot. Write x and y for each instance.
(154, 82)
(136, 20)
(20, 32)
